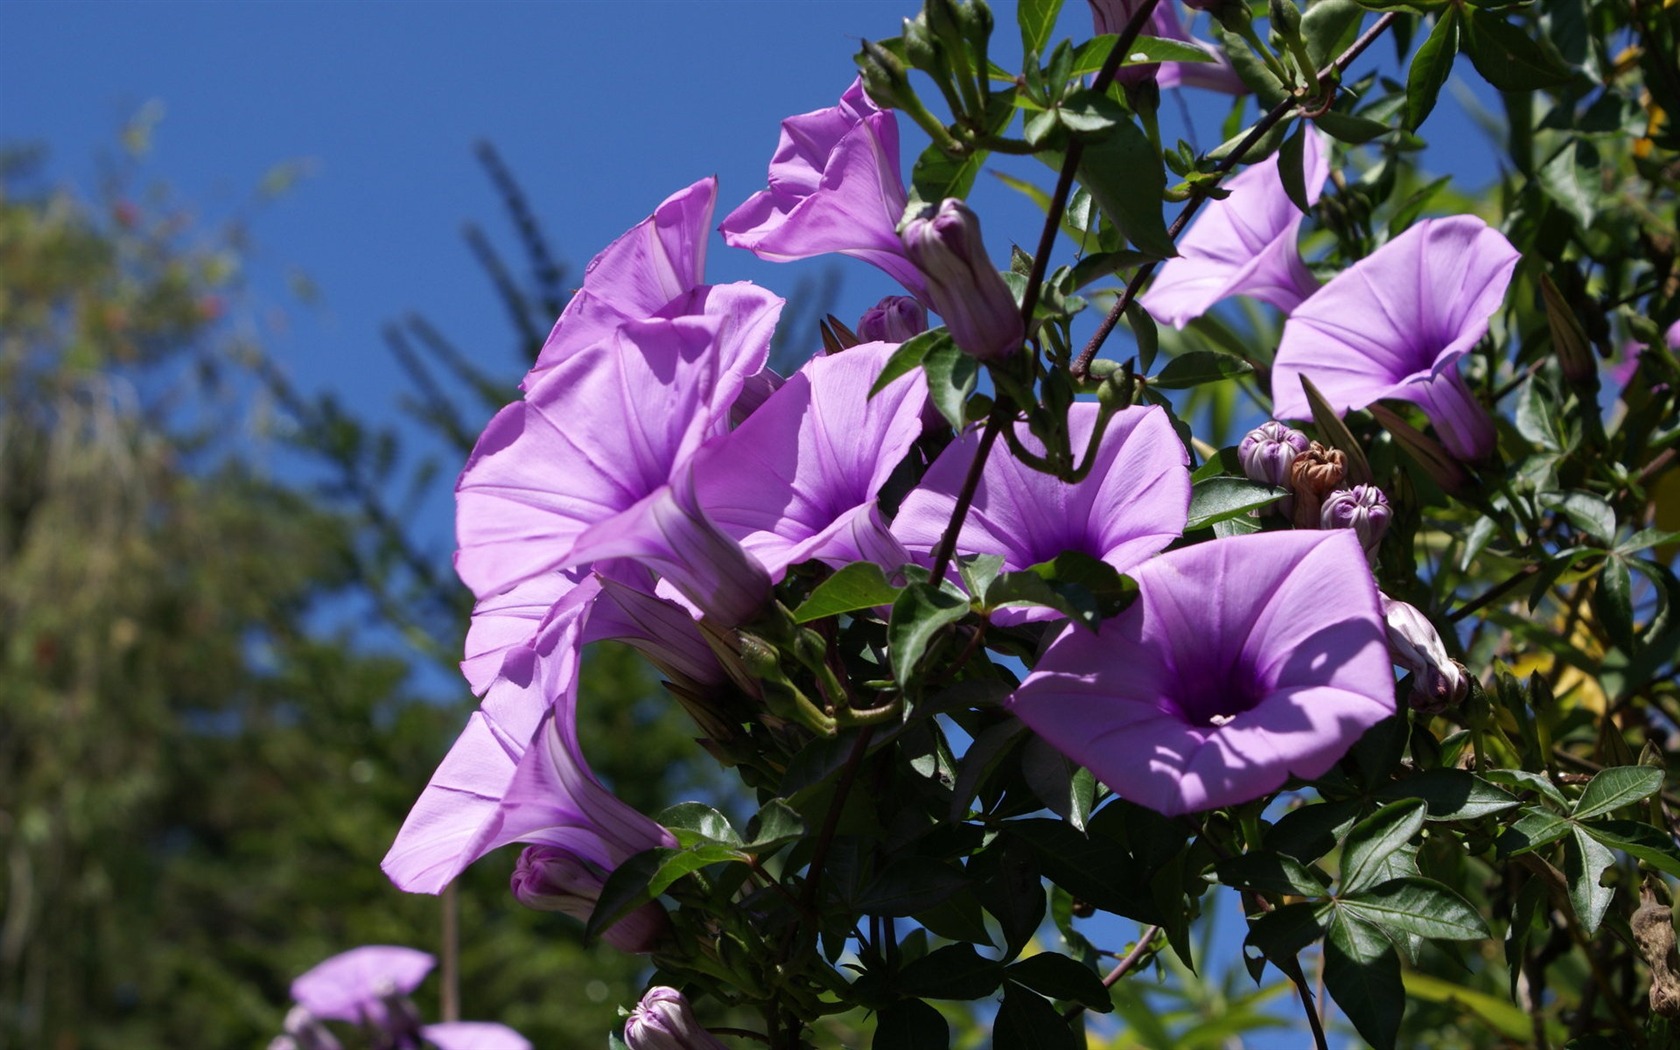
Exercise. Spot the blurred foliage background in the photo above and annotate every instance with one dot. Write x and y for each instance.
(209, 732)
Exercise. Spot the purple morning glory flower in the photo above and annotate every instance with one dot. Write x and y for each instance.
(1134, 501)
(597, 435)
(652, 263)
(1393, 325)
(834, 187)
(517, 773)
(668, 532)
(1242, 245)
(1111, 16)
(663, 1020)
(353, 986)
(1243, 662)
(473, 1035)
(798, 479)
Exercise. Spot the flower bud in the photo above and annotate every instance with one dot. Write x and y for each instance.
(1363, 508)
(550, 878)
(968, 292)
(892, 320)
(664, 1021)
(1438, 681)
(1269, 451)
(1316, 473)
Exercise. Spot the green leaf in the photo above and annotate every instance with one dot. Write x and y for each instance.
(1613, 602)
(1037, 19)
(911, 1024)
(861, 585)
(776, 824)
(1638, 840)
(1611, 789)
(1588, 513)
(1373, 839)
(978, 571)
(694, 824)
(1571, 179)
(1219, 498)
(955, 971)
(1328, 27)
(625, 889)
(920, 612)
(1417, 906)
(957, 918)
(938, 175)
(1450, 794)
(952, 376)
(909, 885)
(1291, 166)
(1027, 1021)
(1010, 888)
(1198, 367)
(1362, 973)
(1123, 172)
(1351, 129)
(1058, 977)
(1271, 873)
(1534, 828)
(1073, 583)
(1281, 933)
(1522, 778)
(1508, 57)
(1430, 68)
(1584, 863)
(1333, 432)
(908, 355)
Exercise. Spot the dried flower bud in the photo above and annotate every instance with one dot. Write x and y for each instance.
(1315, 474)
(549, 878)
(968, 292)
(892, 320)
(1269, 451)
(664, 1021)
(1363, 508)
(1438, 680)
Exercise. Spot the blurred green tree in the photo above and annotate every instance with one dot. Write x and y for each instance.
(202, 759)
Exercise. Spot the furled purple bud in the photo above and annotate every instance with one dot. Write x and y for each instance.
(1363, 508)
(663, 1021)
(1438, 681)
(892, 320)
(1269, 451)
(969, 294)
(548, 878)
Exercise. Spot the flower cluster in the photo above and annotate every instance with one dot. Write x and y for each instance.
(948, 576)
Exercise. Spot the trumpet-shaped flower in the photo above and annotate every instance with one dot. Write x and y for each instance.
(1242, 245)
(517, 773)
(597, 434)
(1394, 324)
(473, 1035)
(1133, 502)
(354, 985)
(799, 478)
(655, 261)
(1243, 662)
(834, 187)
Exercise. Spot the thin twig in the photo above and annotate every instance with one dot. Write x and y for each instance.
(1132, 958)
